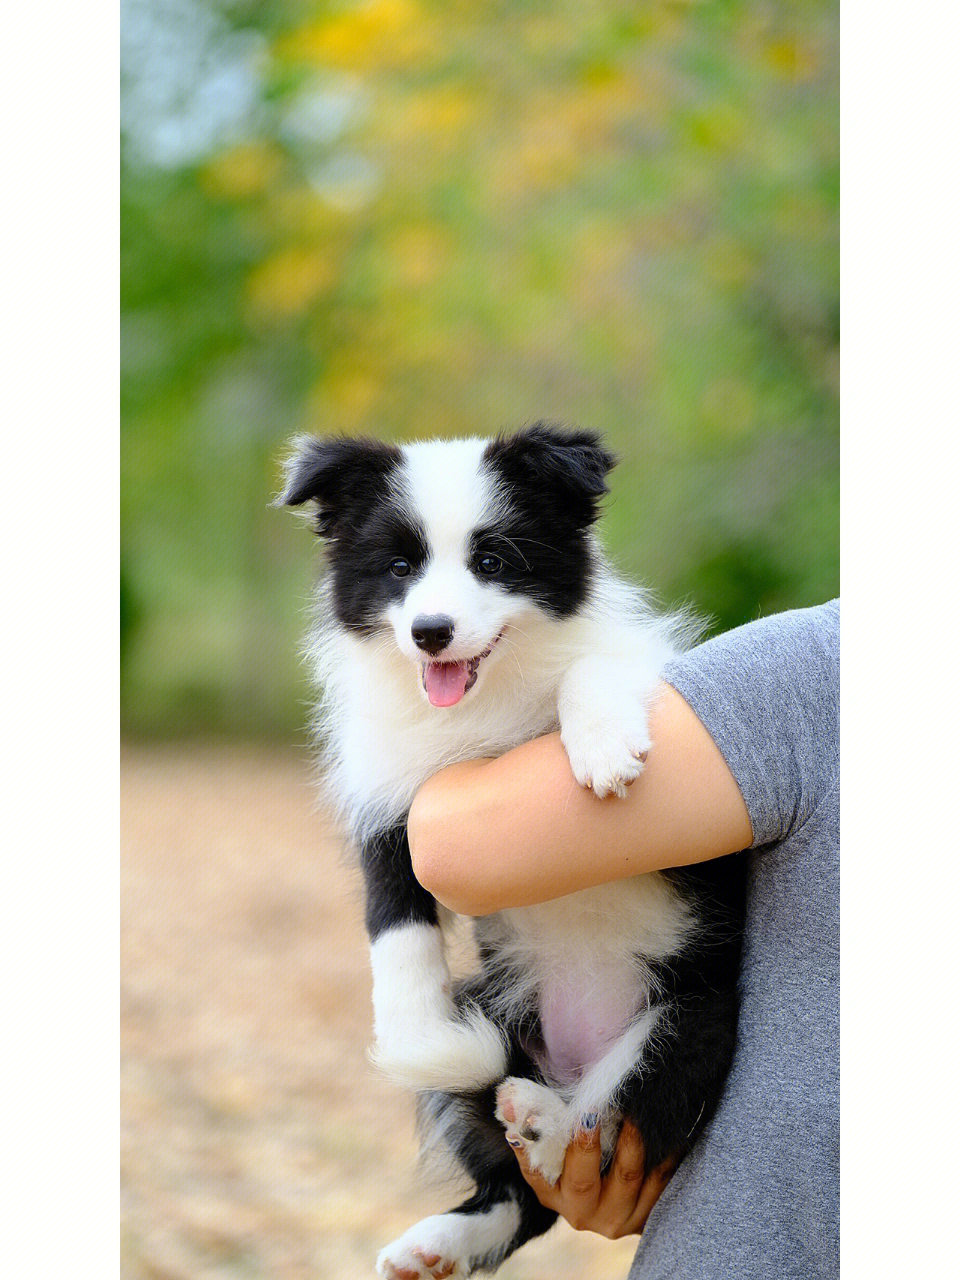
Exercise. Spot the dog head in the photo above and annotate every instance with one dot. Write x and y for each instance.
(449, 544)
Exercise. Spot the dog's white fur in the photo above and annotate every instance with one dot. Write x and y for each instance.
(419, 1040)
(457, 1239)
(590, 675)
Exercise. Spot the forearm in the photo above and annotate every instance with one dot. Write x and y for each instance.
(491, 834)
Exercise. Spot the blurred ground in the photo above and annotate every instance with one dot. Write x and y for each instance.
(257, 1141)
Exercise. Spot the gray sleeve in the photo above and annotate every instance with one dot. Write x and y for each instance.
(768, 695)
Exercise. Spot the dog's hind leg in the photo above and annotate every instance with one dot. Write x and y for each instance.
(477, 1236)
(545, 1120)
(677, 1090)
(676, 1093)
(481, 1232)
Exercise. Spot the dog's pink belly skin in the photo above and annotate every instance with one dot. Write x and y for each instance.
(580, 1020)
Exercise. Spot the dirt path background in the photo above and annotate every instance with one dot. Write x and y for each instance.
(257, 1141)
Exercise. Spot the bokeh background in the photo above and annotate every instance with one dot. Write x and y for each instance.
(408, 218)
(411, 218)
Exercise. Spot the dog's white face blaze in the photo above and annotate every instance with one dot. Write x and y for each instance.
(445, 488)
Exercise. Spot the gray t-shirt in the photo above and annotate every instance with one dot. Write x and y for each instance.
(757, 1197)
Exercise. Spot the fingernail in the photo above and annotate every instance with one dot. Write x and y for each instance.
(515, 1143)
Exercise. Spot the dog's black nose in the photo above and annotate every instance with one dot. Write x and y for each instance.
(432, 632)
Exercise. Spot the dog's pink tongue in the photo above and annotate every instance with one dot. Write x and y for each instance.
(445, 682)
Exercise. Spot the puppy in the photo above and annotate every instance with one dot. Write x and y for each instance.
(467, 608)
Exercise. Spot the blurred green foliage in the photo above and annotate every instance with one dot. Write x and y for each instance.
(411, 218)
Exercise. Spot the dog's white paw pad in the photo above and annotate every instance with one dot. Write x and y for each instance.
(537, 1120)
(451, 1245)
(607, 762)
(404, 1261)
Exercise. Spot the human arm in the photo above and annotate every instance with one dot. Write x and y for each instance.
(490, 834)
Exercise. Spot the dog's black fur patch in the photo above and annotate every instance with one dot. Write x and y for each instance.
(358, 511)
(553, 481)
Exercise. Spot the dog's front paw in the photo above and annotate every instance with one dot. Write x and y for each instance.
(606, 753)
(538, 1120)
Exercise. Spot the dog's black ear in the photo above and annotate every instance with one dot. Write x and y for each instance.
(570, 466)
(339, 475)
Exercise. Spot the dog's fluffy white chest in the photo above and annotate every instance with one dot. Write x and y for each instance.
(582, 962)
(387, 740)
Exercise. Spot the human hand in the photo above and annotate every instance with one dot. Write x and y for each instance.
(617, 1204)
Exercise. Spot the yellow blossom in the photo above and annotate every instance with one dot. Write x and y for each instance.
(287, 283)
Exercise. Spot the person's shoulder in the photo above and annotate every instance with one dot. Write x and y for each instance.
(803, 635)
(768, 694)
(819, 624)
(793, 639)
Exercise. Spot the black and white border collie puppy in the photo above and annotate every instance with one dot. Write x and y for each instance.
(468, 608)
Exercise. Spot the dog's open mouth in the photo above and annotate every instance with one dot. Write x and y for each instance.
(445, 683)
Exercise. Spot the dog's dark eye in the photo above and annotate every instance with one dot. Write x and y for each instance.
(489, 565)
(400, 568)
